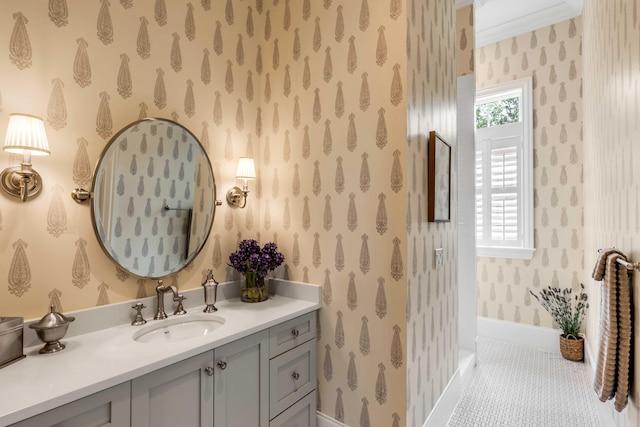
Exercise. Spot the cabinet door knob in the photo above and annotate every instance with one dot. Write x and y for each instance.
(222, 365)
(295, 375)
(209, 370)
(295, 333)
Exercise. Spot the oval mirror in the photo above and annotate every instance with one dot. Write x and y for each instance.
(154, 198)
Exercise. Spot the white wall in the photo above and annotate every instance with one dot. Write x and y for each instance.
(467, 306)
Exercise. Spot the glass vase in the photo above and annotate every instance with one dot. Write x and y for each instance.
(254, 289)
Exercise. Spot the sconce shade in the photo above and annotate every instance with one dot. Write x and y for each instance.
(246, 168)
(26, 133)
(236, 196)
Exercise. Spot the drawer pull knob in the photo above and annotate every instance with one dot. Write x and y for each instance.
(295, 333)
(222, 365)
(295, 375)
(209, 371)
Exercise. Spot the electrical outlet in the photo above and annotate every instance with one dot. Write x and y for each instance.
(438, 257)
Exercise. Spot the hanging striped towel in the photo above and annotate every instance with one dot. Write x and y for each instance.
(612, 377)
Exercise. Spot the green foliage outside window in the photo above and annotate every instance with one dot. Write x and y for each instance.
(498, 112)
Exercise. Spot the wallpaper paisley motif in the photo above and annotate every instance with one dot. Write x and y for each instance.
(59, 12)
(553, 56)
(19, 45)
(57, 215)
(465, 55)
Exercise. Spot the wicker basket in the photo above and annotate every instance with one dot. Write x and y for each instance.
(572, 348)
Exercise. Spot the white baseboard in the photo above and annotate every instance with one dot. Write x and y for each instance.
(326, 421)
(445, 405)
(536, 336)
(438, 417)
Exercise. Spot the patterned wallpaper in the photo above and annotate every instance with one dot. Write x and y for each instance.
(612, 196)
(322, 104)
(553, 56)
(333, 177)
(465, 58)
(432, 292)
(344, 189)
(89, 69)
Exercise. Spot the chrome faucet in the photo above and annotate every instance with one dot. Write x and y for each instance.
(160, 291)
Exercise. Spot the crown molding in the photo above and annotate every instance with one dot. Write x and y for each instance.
(498, 20)
(462, 3)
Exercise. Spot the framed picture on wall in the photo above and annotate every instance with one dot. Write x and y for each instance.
(439, 179)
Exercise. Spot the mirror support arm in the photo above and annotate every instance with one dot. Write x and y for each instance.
(80, 195)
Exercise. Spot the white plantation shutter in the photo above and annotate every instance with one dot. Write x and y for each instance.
(498, 190)
(498, 201)
(479, 197)
(504, 193)
(504, 218)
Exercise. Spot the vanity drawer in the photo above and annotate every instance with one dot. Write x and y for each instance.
(292, 376)
(301, 414)
(285, 336)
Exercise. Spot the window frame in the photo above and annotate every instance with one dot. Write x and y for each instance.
(524, 88)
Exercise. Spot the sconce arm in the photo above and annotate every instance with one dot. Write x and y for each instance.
(21, 181)
(237, 197)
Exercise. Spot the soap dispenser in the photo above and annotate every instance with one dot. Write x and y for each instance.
(210, 292)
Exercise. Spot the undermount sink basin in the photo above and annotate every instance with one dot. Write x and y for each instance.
(178, 328)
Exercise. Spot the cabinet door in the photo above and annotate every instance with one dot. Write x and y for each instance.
(242, 382)
(106, 408)
(177, 395)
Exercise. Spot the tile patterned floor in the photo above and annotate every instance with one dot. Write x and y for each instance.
(520, 386)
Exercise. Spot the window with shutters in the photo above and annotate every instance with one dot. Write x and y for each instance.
(504, 170)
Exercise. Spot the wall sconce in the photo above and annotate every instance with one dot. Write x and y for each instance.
(26, 136)
(237, 197)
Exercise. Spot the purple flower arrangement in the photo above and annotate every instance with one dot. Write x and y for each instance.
(253, 261)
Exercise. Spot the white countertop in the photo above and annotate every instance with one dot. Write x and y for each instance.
(98, 360)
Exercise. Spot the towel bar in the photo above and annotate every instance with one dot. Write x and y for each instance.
(631, 266)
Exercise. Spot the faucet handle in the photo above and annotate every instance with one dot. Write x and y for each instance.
(138, 320)
(179, 309)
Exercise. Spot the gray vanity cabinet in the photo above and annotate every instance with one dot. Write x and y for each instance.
(241, 390)
(177, 395)
(267, 379)
(292, 387)
(109, 407)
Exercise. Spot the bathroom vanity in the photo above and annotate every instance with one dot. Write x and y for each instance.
(254, 366)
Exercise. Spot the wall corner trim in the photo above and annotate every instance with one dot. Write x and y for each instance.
(534, 336)
(326, 421)
(445, 405)
(463, 3)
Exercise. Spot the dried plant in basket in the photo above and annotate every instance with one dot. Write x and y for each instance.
(567, 310)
